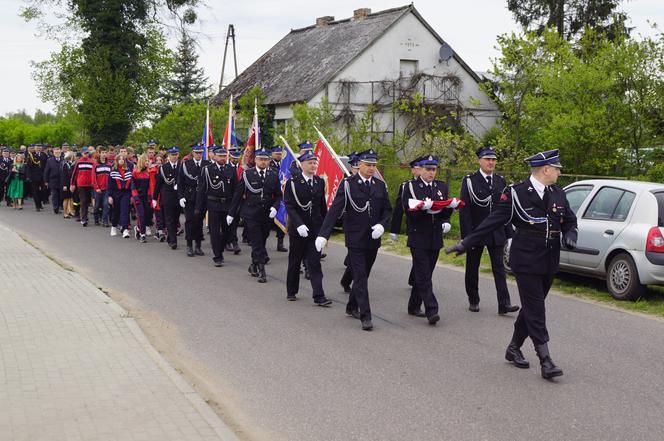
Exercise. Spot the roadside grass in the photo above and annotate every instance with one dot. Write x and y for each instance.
(652, 303)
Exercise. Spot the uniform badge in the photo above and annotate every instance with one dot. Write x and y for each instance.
(440, 194)
(421, 185)
(554, 208)
(216, 176)
(503, 197)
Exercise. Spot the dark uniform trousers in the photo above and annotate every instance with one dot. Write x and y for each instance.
(473, 257)
(299, 191)
(220, 232)
(171, 209)
(258, 230)
(347, 277)
(362, 248)
(424, 262)
(193, 224)
(535, 250)
(475, 190)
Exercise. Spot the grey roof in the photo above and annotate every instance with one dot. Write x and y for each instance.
(302, 62)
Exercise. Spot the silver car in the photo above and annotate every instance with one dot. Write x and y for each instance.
(621, 234)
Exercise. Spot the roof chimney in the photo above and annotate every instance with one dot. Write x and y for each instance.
(324, 21)
(361, 14)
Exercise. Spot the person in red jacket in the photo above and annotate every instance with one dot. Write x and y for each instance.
(82, 181)
(156, 207)
(102, 169)
(141, 198)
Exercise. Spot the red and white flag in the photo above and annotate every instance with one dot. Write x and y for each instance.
(253, 141)
(330, 168)
(416, 204)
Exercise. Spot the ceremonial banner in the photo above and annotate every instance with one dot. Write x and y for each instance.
(253, 140)
(207, 140)
(416, 204)
(284, 176)
(329, 168)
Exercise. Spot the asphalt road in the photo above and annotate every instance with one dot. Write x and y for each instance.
(292, 371)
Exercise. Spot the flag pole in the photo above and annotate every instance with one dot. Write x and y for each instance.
(289, 149)
(334, 154)
(230, 128)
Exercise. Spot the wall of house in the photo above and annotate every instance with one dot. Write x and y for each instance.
(408, 40)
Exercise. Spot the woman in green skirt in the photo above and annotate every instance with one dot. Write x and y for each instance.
(16, 183)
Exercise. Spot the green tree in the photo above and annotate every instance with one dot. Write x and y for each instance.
(113, 77)
(568, 17)
(188, 82)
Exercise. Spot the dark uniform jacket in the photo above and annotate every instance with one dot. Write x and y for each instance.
(35, 164)
(5, 168)
(357, 224)
(53, 172)
(535, 246)
(275, 165)
(166, 183)
(188, 179)
(397, 215)
(256, 204)
(216, 188)
(298, 193)
(473, 214)
(425, 230)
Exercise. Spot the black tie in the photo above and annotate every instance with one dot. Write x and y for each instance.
(488, 180)
(310, 182)
(367, 183)
(547, 193)
(262, 175)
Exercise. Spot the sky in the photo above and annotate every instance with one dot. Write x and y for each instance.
(469, 26)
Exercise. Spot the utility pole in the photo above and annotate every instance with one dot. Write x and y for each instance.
(230, 35)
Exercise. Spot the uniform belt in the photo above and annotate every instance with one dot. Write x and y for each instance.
(552, 235)
(216, 199)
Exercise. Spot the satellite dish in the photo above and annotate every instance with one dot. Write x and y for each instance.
(445, 52)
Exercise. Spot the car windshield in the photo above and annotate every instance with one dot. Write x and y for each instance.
(660, 208)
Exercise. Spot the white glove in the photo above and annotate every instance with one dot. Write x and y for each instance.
(154, 203)
(229, 219)
(454, 203)
(377, 231)
(509, 243)
(393, 237)
(303, 230)
(446, 227)
(273, 212)
(320, 243)
(428, 203)
(183, 202)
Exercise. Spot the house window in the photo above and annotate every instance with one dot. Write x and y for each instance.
(408, 68)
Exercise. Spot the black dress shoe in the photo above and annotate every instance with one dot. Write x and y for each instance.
(236, 248)
(367, 325)
(291, 297)
(306, 274)
(190, 251)
(502, 310)
(218, 263)
(355, 314)
(173, 246)
(418, 313)
(346, 288)
(474, 307)
(323, 255)
(198, 251)
(262, 277)
(514, 354)
(433, 319)
(323, 301)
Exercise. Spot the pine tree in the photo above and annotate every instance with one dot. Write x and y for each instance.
(188, 82)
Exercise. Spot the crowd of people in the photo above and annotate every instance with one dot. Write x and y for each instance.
(146, 194)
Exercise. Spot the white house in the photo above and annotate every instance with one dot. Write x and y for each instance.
(371, 58)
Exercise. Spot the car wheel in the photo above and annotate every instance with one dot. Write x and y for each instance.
(622, 278)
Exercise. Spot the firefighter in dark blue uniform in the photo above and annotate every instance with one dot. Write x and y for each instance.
(276, 155)
(257, 199)
(366, 216)
(543, 221)
(166, 187)
(304, 198)
(188, 176)
(397, 216)
(5, 170)
(216, 187)
(235, 154)
(426, 227)
(480, 192)
(347, 277)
